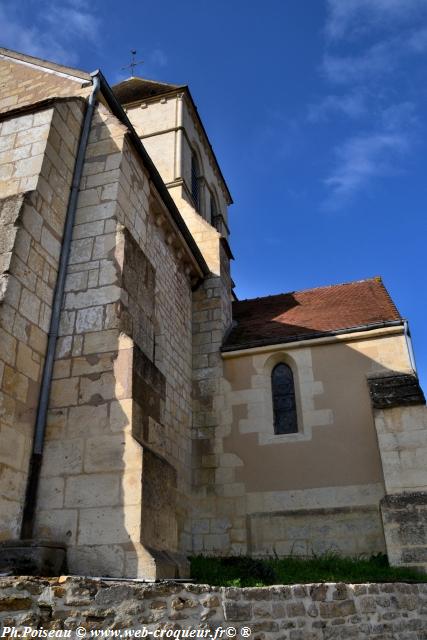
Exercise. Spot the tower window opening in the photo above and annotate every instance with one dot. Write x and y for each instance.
(195, 182)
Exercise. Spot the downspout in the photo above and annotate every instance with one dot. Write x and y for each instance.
(43, 403)
(409, 346)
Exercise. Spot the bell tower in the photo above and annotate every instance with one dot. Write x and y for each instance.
(166, 119)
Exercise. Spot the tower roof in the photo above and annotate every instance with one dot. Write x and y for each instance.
(135, 88)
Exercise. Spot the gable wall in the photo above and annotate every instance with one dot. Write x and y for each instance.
(21, 85)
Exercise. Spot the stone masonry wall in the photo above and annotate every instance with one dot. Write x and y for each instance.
(218, 504)
(402, 439)
(126, 322)
(22, 85)
(299, 612)
(36, 162)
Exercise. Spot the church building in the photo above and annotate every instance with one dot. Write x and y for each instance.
(146, 414)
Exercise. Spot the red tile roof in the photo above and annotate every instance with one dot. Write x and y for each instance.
(312, 313)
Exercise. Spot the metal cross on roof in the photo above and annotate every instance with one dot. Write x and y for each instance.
(133, 62)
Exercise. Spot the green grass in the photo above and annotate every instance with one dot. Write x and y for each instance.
(242, 571)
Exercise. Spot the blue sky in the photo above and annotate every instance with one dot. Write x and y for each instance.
(317, 113)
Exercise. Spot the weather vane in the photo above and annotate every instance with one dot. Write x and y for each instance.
(133, 63)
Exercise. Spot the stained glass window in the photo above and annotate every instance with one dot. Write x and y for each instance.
(284, 406)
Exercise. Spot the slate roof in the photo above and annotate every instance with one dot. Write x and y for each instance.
(312, 313)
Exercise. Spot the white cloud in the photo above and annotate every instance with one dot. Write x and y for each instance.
(47, 30)
(74, 22)
(158, 58)
(360, 159)
(352, 18)
(352, 105)
(383, 35)
(375, 61)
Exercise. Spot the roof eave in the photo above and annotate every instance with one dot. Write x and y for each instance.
(311, 336)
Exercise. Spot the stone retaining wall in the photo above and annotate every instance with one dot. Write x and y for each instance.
(298, 612)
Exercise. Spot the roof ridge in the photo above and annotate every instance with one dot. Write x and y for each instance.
(161, 82)
(326, 286)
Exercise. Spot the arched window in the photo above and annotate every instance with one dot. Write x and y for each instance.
(195, 186)
(284, 406)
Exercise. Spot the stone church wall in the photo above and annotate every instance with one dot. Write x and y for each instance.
(125, 333)
(335, 611)
(36, 163)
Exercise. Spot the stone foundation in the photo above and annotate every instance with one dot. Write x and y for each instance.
(405, 528)
(298, 612)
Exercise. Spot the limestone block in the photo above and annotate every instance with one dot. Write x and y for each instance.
(109, 525)
(64, 393)
(104, 244)
(57, 524)
(26, 363)
(76, 281)
(93, 297)
(18, 124)
(107, 273)
(50, 243)
(87, 420)
(88, 229)
(30, 306)
(131, 487)
(90, 319)
(101, 341)
(13, 483)
(8, 347)
(92, 490)
(15, 384)
(95, 212)
(92, 363)
(62, 457)
(104, 453)
(81, 250)
(66, 326)
(56, 424)
(97, 388)
(121, 412)
(51, 493)
(97, 560)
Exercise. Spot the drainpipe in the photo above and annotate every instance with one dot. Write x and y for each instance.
(409, 346)
(43, 404)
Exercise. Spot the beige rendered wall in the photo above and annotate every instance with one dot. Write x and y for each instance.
(38, 150)
(102, 437)
(315, 490)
